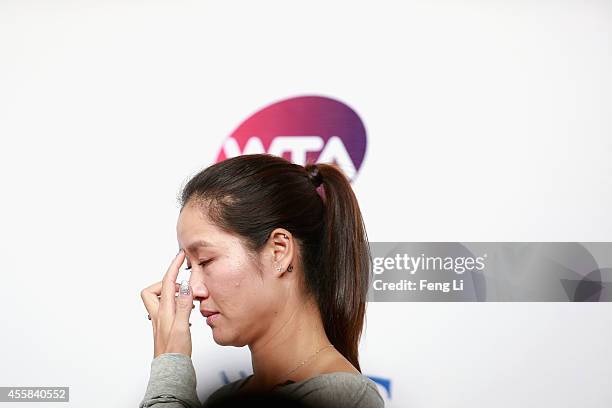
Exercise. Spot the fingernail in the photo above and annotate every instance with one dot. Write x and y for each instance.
(185, 290)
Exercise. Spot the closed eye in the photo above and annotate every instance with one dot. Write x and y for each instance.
(202, 264)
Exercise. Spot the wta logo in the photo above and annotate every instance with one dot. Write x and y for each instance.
(306, 129)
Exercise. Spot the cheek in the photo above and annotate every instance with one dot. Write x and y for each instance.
(233, 286)
(233, 274)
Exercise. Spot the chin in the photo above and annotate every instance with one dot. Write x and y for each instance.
(224, 340)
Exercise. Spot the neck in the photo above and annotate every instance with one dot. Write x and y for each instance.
(298, 334)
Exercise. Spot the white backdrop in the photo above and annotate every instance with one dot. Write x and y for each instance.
(487, 120)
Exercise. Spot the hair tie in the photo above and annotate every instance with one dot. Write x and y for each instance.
(314, 176)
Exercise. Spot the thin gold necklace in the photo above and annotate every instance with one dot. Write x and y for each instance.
(305, 361)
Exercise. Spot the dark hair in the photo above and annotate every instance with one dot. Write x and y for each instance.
(251, 195)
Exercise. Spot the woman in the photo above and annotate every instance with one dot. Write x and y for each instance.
(279, 261)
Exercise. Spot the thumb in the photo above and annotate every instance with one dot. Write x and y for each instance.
(184, 305)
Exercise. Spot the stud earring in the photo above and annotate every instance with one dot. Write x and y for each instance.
(278, 268)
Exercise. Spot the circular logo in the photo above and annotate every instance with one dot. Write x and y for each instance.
(305, 129)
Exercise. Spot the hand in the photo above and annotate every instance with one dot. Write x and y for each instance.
(169, 313)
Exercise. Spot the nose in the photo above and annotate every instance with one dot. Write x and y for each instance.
(199, 288)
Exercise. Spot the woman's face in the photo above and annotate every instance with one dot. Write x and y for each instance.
(225, 279)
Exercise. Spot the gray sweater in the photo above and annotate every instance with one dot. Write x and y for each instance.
(172, 384)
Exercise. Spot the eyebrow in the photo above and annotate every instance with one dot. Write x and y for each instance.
(200, 243)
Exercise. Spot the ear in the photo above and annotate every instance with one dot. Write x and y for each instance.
(282, 246)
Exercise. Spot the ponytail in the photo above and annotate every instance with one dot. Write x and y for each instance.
(345, 261)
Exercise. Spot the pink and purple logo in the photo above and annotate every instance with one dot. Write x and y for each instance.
(303, 129)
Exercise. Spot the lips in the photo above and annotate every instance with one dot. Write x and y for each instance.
(207, 313)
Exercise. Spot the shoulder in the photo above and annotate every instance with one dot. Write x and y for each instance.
(337, 389)
(330, 390)
(225, 391)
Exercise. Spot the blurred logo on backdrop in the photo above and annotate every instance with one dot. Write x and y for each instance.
(304, 129)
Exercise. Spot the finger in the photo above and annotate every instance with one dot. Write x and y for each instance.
(176, 289)
(156, 288)
(180, 337)
(150, 297)
(168, 290)
(184, 306)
